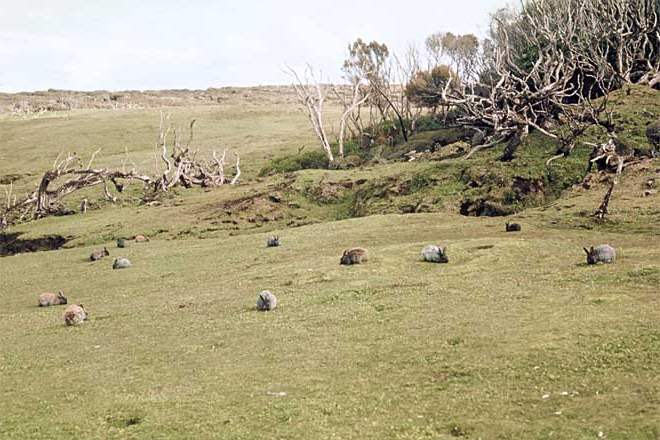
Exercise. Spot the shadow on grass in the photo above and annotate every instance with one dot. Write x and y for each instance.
(11, 244)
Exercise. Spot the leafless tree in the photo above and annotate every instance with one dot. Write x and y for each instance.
(311, 96)
(607, 153)
(183, 167)
(409, 67)
(391, 89)
(349, 114)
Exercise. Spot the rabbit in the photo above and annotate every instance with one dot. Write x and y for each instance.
(121, 243)
(121, 263)
(354, 256)
(513, 227)
(98, 254)
(266, 301)
(603, 253)
(52, 299)
(75, 314)
(141, 239)
(273, 241)
(435, 254)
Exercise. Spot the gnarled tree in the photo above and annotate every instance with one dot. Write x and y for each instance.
(546, 61)
(183, 167)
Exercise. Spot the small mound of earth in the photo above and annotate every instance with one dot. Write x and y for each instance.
(481, 207)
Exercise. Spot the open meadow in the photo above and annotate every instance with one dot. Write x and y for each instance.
(515, 338)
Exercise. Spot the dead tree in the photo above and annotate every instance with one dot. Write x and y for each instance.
(389, 89)
(357, 99)
(311, 97)
(183, 167)
(409, 67)
(602, 210)
(607, 155)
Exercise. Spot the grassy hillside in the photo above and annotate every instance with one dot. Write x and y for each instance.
(515, 338)
(258, 129)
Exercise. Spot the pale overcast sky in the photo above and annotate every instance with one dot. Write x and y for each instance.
(146, 44)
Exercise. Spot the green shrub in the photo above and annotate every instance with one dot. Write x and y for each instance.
(354, 156)
(426, 87)
(295, 162)
(428, 123)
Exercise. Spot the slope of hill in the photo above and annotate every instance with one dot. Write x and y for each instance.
(516, 337)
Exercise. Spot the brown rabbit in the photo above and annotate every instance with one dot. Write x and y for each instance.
(75, 314)
(354, 256)
(141, 239)
(98, 254)
(51, 299)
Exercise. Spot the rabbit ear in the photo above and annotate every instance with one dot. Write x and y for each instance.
(586, 250)
(444, 249)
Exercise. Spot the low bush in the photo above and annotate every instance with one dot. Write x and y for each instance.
(295, 162)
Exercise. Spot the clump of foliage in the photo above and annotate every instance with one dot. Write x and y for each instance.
(317, 160)
(295, 162)
(425, 88)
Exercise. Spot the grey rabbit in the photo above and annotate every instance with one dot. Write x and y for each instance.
(121, 263)
(603, 253)
(435, 254)
(266, 301)
(273, 241)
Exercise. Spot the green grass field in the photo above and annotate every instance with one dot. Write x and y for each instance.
(515, 338)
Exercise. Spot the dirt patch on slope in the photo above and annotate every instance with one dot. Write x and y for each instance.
(12, 244)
